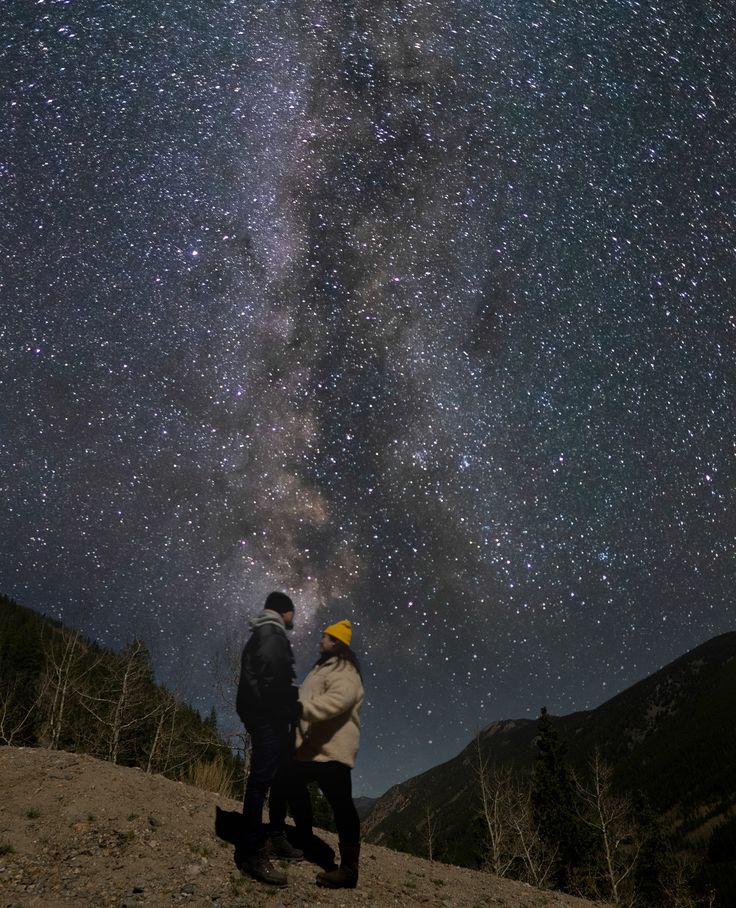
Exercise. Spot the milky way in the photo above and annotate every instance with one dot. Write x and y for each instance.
(421, 311)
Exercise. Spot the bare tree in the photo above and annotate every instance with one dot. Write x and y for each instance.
(538, 858)
(61, 656)
(432, 829)
(123, 706)
(515, 847)
(67, 664)
(679, 892)
(15, 711)
(170, 737)
(180, 748)
(227, 675)
(497, 796)
(227, 670)
(611, 816)
(165, 709)
(168, 751)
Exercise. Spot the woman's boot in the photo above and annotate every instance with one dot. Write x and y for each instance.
(346, 876)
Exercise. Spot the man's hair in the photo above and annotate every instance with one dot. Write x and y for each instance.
(279, 602)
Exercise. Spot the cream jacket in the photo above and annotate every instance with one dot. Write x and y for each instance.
(329, 729)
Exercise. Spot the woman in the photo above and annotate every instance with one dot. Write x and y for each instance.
(327, 741)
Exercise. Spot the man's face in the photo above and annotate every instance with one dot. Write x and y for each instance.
(288, 620)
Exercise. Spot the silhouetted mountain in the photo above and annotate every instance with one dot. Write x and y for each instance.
(62, 691)
(670, 738)
(364, 805)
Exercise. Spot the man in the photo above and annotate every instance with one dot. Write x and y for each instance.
(268, 706)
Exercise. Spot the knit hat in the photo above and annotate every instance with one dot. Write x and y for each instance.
(279, 602)
(342, 631)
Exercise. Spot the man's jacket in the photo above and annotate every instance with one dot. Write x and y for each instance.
(266, 690)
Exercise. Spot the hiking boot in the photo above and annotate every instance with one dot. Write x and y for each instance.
(281, 847)
(260, 868)
(346, 876)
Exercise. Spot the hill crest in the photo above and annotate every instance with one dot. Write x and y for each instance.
(80, 830)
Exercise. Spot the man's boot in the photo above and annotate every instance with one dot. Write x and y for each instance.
(260, 868)
(346, 876)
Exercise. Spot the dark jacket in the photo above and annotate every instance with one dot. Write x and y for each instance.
(266, 690)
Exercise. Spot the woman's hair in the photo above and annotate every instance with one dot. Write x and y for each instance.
(343, 653)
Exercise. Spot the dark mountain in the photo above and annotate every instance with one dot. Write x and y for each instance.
(364, 805)
(64, 692)
(671, 738)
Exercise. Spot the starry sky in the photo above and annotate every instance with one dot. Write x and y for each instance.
(420, 310)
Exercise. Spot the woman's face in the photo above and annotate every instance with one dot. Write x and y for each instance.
(327, 644)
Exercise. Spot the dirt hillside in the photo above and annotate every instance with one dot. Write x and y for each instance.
(78, 831)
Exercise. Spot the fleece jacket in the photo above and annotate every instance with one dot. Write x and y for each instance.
(329, 729)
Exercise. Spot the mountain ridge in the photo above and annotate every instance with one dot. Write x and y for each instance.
(670, 737)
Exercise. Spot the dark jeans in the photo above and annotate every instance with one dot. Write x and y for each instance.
(335, 782)
(271, 748)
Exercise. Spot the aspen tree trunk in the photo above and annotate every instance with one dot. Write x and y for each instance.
(63, 672)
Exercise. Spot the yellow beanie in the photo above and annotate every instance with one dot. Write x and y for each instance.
(342, 631)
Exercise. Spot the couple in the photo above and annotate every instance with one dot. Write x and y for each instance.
(298, 736)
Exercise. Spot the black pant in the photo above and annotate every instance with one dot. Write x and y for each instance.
(271, 748)
(335, 782)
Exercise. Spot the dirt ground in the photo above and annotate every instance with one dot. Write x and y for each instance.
(78, 831)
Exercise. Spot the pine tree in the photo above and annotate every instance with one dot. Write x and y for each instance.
(321, 811)
(656, 862)
(21, 665)
(211, 720)
(556, 808)
(126, 706)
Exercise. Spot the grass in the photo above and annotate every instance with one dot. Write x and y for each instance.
(210, 775)
(33, 814)
(238, 884)
(6, 848)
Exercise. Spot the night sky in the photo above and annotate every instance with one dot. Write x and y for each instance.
(420, 311)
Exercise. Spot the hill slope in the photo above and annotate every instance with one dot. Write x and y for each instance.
(671, 736)
(76, 830)
(62, 691)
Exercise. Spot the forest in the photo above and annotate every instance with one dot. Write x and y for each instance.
(568, 825)
(556, 824)
(64, 692)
